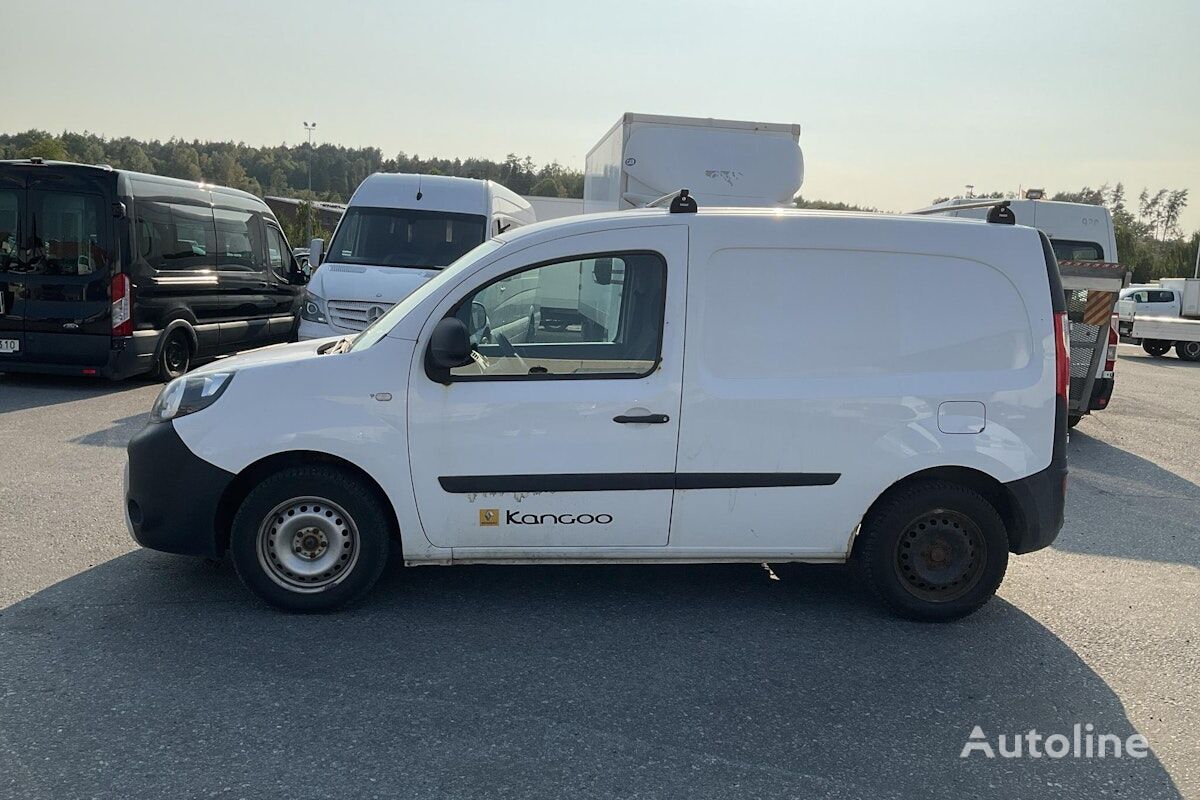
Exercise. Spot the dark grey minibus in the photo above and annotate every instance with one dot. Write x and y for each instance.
(113, 273)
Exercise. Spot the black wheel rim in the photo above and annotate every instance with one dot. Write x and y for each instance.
(1192, 350)
(175, 355)
(940, 556)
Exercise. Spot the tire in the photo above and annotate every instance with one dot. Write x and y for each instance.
(964, 544)
(1156, 347)
(310, 539)
(1073, 420)
(1188, 351)
(174, 357)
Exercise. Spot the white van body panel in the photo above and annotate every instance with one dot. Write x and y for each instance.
(877, 339)
(502, 427)
(816, 344)
(723, 162)
(356, 294)
(319, 404)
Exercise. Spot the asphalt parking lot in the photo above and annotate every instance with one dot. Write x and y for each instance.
(128, 673)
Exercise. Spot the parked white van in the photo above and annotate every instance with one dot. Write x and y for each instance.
(699, 417)
(397, 232)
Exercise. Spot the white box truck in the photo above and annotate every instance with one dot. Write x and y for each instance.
(1166, 317)
(644, 157)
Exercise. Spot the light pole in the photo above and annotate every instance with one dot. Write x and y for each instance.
(309, 127)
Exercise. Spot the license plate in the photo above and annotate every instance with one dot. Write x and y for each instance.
(10, 345)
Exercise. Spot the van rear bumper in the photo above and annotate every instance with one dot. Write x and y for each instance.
(126, 356)
(1040, 501)
(171, 494)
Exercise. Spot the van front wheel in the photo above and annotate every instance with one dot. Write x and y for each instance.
(933, 551)
(310, 539)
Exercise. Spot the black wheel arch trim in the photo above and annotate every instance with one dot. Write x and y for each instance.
(171, 327)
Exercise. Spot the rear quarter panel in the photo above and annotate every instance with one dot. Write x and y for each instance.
(805, 356)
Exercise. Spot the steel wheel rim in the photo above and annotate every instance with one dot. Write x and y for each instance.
(940, 556)
(307, 544)
(1192, 349)
(175, 354)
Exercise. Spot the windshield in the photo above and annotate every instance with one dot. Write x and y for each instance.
(381, 326)
(404, 237)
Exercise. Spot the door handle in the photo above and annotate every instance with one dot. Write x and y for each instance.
(645, 419)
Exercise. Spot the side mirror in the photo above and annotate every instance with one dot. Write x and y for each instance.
(602, 271)
(316, 252)
(449, 347)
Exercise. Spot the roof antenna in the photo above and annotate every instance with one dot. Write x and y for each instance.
(418, 187)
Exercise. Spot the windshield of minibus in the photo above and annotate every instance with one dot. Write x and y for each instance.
(404, 237)
(381, 326)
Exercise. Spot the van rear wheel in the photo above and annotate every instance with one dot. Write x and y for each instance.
(310, 539)
(175, 356)
(933, 551)
(1188, 351)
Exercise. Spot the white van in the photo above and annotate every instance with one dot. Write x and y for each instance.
(397, 232)
(697, 416)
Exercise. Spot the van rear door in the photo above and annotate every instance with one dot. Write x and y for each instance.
(68, 267)
(12, 302)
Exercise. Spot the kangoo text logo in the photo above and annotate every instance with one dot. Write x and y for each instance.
(491, 517)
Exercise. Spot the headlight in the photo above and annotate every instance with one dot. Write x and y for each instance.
(313, 309)
(189, 394)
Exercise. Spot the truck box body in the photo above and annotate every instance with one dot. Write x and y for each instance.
(1189, 295)
(723, 162)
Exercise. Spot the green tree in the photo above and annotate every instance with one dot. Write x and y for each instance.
(48, 148)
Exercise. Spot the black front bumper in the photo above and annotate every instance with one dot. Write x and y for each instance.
(171, 494)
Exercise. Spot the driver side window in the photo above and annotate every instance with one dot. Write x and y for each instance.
(596, 315)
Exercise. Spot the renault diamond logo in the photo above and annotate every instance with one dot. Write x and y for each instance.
(374, 313)
(489, 516)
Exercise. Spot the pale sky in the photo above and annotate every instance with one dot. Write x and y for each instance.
(899, 101)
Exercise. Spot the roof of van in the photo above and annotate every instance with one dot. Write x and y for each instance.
(142, 176)
(437, 193)
(656, 216)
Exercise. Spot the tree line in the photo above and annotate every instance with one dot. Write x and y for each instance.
(284, 169)
(1149, 237)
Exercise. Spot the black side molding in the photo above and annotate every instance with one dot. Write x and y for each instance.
(631, 481)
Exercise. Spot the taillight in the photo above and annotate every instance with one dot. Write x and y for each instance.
(122, 303)
(1062, 356)
(1110, 361)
